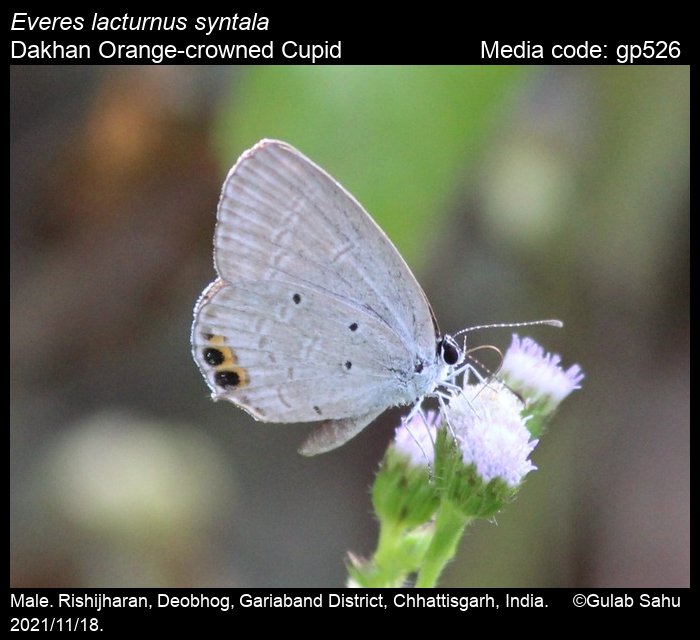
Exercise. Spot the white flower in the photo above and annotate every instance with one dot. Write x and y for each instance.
(416, 438)
(491, 432)
(538, 375)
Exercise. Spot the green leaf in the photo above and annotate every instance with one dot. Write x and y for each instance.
(398, 138)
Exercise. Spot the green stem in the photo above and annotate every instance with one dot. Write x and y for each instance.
(388, 561)
(399, 553)
(449, 527)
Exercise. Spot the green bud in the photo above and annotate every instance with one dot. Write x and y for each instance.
(404, 493)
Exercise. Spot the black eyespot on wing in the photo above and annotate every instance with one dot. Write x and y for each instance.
(318, 410)
(297, 298)
(227, 379)
(353, 326)
(213, 357)
(348, 365)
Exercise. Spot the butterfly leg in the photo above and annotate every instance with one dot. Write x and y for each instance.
(406, 423)
(443, 412)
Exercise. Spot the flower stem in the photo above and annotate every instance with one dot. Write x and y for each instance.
(449, 526)
(389, 564)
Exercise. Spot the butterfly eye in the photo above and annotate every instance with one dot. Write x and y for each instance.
(449, 351)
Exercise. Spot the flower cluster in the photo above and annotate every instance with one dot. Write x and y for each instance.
(491, 433)
(537, 375)
(444, 470)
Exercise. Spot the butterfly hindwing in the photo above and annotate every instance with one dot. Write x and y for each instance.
(260, 347)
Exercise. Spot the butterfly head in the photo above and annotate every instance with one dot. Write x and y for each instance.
(449, 356)
(427, 375)
(449, 352)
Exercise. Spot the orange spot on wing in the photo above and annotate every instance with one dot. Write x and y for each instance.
(229, 356)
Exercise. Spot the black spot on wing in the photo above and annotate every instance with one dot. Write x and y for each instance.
(213, 356)
(227, 379)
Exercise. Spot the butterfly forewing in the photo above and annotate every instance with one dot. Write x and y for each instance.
(283, 218)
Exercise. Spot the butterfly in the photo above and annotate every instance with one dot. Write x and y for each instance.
(314, 315)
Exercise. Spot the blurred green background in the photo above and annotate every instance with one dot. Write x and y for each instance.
(514, 193)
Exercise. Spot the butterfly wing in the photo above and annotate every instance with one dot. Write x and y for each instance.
(261, 346)
(315, 314)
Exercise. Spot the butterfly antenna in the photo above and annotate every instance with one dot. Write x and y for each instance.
(512, 325)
